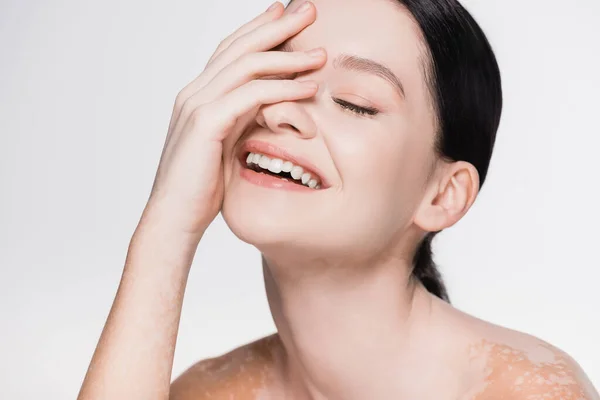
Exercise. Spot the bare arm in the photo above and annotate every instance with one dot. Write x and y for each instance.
(134, 356)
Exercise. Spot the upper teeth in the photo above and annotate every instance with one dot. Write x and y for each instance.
(277, 165)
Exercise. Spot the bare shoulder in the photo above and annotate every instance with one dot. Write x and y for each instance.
(244, 373)
(515, 365)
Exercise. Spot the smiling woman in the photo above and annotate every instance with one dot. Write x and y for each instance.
(282, 133)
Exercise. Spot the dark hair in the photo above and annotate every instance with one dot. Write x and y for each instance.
(465, 85)
(464, 80)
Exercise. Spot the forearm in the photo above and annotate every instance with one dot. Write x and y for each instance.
(134, 356)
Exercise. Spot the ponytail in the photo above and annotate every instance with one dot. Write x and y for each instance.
(426, 271)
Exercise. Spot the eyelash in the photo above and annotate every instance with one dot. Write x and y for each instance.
(362, 111)
(346, 106)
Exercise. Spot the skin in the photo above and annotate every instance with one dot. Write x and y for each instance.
(351, 322)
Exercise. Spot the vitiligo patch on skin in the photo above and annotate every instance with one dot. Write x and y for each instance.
(519, 368)
(532, 372)
(245, 373)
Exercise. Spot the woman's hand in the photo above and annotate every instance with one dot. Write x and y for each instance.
(188, 189)
(134, 356)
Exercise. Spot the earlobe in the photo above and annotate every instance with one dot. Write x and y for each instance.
(449, 198)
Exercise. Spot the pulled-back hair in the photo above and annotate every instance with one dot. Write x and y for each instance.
(466, 94)
(464, 80)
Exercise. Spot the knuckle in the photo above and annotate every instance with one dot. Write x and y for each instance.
(256, 86)
(181, 99)
(186, 106)
(238, 42)
(197, 115)
(251, 62)
(222, 44)
(248, 58)
(178, 105)
(189, 110)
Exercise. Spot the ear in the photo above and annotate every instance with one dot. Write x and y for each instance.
(449, 196)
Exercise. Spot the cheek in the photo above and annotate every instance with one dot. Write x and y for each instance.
(372, 158)
(382, 170)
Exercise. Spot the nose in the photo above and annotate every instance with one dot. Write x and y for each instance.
(287, 117)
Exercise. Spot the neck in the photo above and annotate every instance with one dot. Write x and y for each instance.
(350, 331)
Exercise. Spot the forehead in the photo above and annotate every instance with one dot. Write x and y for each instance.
(381, 30)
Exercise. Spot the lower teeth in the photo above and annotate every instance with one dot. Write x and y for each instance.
(280, 177)
(284, 179)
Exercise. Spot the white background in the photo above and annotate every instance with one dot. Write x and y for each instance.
(86, 90)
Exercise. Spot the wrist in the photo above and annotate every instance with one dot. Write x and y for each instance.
(157, 240)
(169, 220)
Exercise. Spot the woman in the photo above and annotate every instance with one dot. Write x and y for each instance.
(338, 155)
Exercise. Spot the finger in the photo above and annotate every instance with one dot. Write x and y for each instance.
(263, 38)
(266, 17)
(212, 117)
(257, 65)
(271, 14)
(221, 115)
(274, 12)
(252, 66)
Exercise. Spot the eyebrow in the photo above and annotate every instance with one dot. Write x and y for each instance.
(355, 63)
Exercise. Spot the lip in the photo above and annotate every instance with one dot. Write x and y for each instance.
(268, 149)
(272, 182)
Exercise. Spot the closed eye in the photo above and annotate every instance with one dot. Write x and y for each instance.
(363, 111)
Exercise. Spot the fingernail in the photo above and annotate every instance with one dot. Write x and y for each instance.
(304, 7)
(273, 6)
(317, 53)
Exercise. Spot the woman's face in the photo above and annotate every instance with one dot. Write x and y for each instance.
(374, 164)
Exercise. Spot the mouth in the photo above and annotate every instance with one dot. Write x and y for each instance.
(268, 160)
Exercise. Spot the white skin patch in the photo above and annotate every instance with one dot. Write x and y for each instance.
(533, 370)
(496, 370)
(245, 373)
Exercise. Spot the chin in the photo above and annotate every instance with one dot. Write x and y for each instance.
(273, 222)
(305, 223)
(266, 217)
